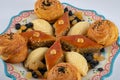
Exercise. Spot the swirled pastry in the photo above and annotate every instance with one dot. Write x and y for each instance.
(49, 10)
(104, 32)
(63, 71)
(13, 48)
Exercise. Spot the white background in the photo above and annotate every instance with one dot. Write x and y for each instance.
(108, 8)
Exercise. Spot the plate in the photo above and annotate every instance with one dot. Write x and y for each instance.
(17, 71)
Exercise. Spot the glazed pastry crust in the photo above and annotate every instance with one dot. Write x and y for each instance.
(49, 10)
(104, 32)
(13, 48)
(63, 71)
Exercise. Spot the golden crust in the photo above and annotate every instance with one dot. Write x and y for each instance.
(104, 32)
(49, 10)
(13, 48)
(63, 71)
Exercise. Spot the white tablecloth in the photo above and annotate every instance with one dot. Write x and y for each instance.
(108, 8)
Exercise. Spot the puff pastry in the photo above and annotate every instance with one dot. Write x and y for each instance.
(49, 10)
(63, 71)
(13, 48)
(104, 32)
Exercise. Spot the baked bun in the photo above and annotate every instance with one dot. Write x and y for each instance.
(79, 43)
(78, 61)
(79, 28)
(42, 25)
(13, 48)
(38, 39)
(104, 32)
(63, 71)
(49, 10)
(34, 59)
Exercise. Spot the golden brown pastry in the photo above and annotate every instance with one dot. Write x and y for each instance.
(79, 43)
(49, 10)
(54, 55)
(13, 48)
(63, 71)
(104, 32)
(38, 39)
(62, 25)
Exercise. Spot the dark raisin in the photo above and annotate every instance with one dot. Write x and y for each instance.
(78, 20)
(70, 13)
(66, 9)
(29, 25)
(42, 71)
(102, 50)
(89, 58)
(34, 74)
(94, 63)
(61, 69)
(17, 26)
(100, 69)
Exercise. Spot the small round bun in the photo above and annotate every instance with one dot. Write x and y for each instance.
(104, 32)
(49, 10)
(63, 71)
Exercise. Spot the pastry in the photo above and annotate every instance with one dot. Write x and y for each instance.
(62, 25)
(49, 10)
(54, 55)
(104, 32)
(79, 28)
(13, 48)
(63, 71)
(78, 61)
(34, 59)
(79, 43)
(42, 25)
(38, 39)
